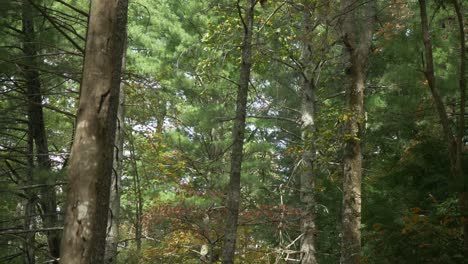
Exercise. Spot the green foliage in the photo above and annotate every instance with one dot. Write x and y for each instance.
(180, 80)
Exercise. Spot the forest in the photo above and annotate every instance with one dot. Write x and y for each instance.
(233, 131)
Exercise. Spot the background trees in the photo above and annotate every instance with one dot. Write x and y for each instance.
(183, 64)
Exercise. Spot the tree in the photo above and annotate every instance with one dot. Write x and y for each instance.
(238, 130)
(112, 238)
(181, 79)
(454, 140)
(460, 134)
(308, 172)
(90, 167)
(357, 36)
(32, 86)
(48, 201)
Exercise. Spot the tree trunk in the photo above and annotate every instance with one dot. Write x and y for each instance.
(30, 237)
(139, 208)
(90, 169)
(459, 173)
(29, 205)
(138, 197)
(454, 141)
(357, 43)
(112, 237)
(430, 76)
(308, 227)
(48, 199)
(238, 131)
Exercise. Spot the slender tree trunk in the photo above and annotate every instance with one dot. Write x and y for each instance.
(238, 131)
(29, 205)
(454, 141)
(112, 237)
(459, 173)
(308, 227)
(430, 76)
(91, 158)
(138, 197)
(30, 237)
(139, 212)
(357, 43)
(48, 199)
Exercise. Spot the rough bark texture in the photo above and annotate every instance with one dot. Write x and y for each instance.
(48, 199)
(308, 227)
(91, 158)
(238, 131)
(357, 37)
(454, 141)
(112, 237)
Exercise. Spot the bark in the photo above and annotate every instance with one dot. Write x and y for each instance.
(357, 37)
(454, 141)
(112, 237)
(90, 168)
(48, 199)
(308, 227)
(238, 131)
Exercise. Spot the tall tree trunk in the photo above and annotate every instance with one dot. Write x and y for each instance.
(137, 195)
(112, 237)
(430, 76)
(139, 208)
(30, 237)
(238, 131)
(29, 205)
(48, 199)
(459, 173)
(91, 158)
(357, 37)
(308, 227)
(454, 141)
